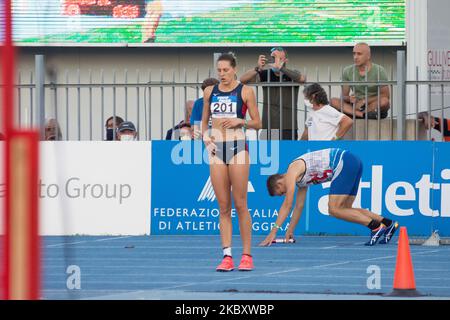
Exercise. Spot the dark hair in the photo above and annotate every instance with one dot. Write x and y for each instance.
(209, 82)
(272, 183)
(230, 57)
(119, 120)
(316, 93)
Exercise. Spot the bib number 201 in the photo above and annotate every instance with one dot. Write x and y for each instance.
(222, 107)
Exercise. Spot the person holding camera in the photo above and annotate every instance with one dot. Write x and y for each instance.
(279, 104)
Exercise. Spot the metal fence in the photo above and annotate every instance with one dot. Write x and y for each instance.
(154, 101)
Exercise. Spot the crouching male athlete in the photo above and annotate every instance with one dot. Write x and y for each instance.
(344, 170)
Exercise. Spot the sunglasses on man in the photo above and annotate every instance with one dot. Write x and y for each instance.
(276, 49)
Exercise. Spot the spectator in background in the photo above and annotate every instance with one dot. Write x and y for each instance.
(185, 132)
(288, 96)
(175, 132)
(324, 122)
(431, 122)
(52, 131)
(126, 131)
(111, 127)
(357, 73)
(196, 115)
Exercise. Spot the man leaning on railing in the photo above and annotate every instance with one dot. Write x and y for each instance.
(375, 95)
(274, 69)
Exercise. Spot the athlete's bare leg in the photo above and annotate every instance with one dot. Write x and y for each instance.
(239, 168)
(340, 207)
(221, 184)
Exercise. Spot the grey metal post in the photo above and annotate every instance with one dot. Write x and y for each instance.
(40, 94)
(19, 100)
(216, 56)
(401, 95)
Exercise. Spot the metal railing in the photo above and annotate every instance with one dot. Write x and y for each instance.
(155, 104)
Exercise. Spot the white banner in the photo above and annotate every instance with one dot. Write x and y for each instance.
(93, 188)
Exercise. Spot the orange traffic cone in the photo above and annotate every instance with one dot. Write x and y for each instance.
(404, 283)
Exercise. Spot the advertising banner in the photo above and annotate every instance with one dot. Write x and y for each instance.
(95, 188)
(405, 181)
(205, 22)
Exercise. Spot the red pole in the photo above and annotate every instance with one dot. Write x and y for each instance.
(7, 55)
(21, 277)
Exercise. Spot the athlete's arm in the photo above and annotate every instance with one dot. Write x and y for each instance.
(250, 100)
(286, 207)
(206, 114)
(297, 213)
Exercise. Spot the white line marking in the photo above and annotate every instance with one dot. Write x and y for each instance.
(226, 280)
(86, 241)
(377, 258)
(177, 286)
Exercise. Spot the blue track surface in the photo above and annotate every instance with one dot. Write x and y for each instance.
(183, 267)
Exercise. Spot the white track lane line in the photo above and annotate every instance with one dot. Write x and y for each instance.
(86, 241)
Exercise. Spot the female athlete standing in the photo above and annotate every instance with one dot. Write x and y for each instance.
(227, 104)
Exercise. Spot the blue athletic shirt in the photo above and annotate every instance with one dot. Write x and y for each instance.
(225, 105)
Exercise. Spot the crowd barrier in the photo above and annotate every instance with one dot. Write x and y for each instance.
(406, 181)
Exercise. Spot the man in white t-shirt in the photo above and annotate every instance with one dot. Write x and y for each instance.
(324, 121)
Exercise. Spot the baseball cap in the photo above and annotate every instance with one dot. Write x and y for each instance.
(126, 125)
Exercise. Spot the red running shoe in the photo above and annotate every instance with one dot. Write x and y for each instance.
(226, 265)
(246, 263)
